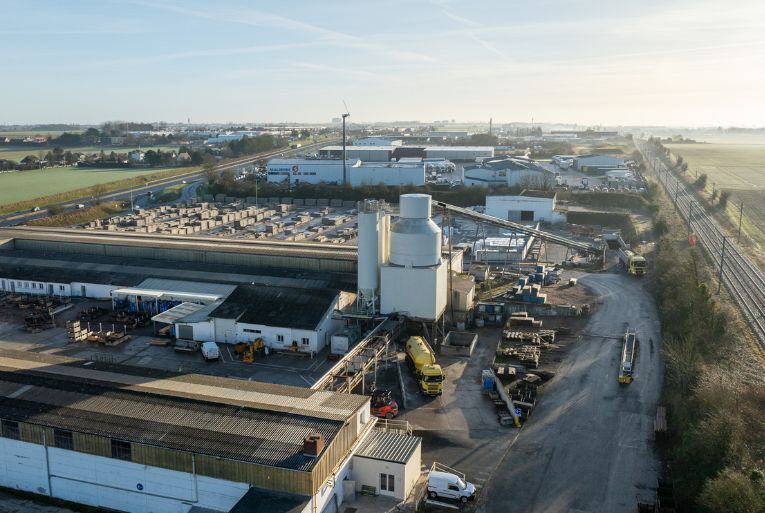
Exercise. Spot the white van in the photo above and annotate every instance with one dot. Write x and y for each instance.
(449, 486)
(210, 351)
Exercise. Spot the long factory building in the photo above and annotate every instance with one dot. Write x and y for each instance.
(126, 440)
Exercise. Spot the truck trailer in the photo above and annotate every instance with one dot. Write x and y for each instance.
(629, 355)
(633, 263)
(429, 374)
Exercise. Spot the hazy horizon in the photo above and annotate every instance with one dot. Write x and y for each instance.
(686, 64)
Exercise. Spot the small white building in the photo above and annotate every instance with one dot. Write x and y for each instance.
(136, 156)
(388, 462)
(597, 161)
(286, 319)
(531, 206)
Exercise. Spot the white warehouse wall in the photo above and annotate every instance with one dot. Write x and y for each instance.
(111, 483)
(510, 207)
(94, 290)
(388, 174)
(34, 287)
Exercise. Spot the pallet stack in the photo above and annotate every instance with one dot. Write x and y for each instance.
(522, 319)
(75, 331)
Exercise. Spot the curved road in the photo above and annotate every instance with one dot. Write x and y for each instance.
(154, 186)
(588, 446)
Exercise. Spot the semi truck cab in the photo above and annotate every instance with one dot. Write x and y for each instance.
(429, 374)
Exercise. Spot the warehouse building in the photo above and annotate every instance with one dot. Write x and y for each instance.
(184, 443)
(359, 173)
(286, 319)
(597, 161)
(51, 281)
(367, 153)
(391, 173)
(508, 172)
(459, 153)
(378, 140)
(537, 206)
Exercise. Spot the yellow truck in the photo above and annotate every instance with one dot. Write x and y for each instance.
(429, 374)
(633, 263)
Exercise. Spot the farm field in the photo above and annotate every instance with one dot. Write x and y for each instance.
(32, 133)
(25, 185)
(739, 169)
(16, 153)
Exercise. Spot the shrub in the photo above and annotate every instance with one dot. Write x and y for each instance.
(724, 196)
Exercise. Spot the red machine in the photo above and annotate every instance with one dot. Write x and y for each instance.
(383, 405)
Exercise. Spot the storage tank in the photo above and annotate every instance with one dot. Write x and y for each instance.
(415, 240)
(371, 246)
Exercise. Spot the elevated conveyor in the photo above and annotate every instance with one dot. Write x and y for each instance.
(519, 228)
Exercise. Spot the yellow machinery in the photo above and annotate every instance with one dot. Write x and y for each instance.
(247, 350)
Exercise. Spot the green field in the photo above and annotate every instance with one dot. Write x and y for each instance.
(32, 133)
(17, 153)
(26, 185)
(737, 168)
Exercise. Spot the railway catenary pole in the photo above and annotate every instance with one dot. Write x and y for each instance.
(722, 261)
(690, 215)
(740, 215)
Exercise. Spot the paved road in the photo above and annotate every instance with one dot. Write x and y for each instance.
(156, 185)
(588, 446)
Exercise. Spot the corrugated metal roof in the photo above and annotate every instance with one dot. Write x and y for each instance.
(256, 436)
(190, 287)
(177, 312)
(388, 446)
(214, 389)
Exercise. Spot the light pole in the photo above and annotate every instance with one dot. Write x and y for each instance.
(345, 173)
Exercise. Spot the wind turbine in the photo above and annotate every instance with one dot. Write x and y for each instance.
(347, 113)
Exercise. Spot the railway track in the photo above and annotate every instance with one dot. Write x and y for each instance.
(741, 277)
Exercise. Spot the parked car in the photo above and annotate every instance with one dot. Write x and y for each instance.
(210, 351)
(449, 486)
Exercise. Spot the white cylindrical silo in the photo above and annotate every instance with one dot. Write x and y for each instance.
(369, 250)
(415, 240)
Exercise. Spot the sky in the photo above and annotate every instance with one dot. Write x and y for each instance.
(618, 62)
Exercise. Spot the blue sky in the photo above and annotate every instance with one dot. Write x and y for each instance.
(684, 62)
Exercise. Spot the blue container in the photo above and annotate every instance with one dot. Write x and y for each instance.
(540, 268)
(488, 383)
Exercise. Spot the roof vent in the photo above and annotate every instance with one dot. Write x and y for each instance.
(313, 444)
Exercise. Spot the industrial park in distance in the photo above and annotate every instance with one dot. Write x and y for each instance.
(378, 309)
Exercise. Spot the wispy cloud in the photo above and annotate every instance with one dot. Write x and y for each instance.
(264, 19)
(473, 27)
